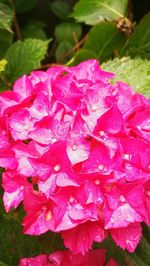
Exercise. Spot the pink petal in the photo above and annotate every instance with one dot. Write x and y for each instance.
(128, 237)
(23, 87)
(80, 239)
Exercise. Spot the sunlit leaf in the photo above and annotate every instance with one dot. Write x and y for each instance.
(94, 11)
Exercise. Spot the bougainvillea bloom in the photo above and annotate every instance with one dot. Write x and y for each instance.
(76, 149)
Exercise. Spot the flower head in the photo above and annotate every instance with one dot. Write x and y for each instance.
(76, 149)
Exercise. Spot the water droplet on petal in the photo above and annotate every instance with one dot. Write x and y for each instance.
(101, 133)
(74, 147)
(97, 182)
(129, 242)
(99, 200)
(22, 188)
(94, 108)
(127, 156)
(122, 198)
(54, 140)
(101, 167)
(26, 127)
(57, 167)
(71, 200)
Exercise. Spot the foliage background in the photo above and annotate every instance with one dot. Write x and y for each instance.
(34, 34)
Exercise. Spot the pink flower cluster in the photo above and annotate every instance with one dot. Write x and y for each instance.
(66, 258)
(76, 149)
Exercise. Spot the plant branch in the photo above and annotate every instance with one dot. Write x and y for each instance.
(17, 29)
(16, 25)
(76, 47)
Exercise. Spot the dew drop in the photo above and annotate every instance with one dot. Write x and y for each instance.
(127, 156)
(94, 108)
(74, 147)
(99, 200)
(129, 242)
(57, 167)
(71, 200)
(122, 198)
(101, 133)
(53, 140)
(26, 127)
(97, 182)
(101, 167)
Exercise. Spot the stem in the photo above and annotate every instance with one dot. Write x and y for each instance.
(76, 47)
(17, 29)
(52, 51)
(16, 25)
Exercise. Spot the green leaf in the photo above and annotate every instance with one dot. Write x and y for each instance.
(146, 232)
(94, 11)
(24, 5)
(135, 72)
(14, 245)
(82, 55)
(61, 51)
(6, 17)
(139, 42)
(25, 56)
(105, 40)
(61, 9)
(34, 30)
(3, 264)
(133, 260)
(141, 256)
(5, 41)
(143, 251)
(68, 31)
